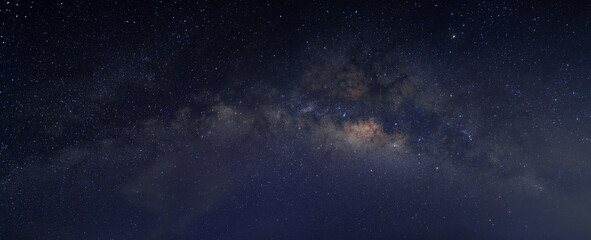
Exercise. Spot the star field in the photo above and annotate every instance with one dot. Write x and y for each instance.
(295, 120)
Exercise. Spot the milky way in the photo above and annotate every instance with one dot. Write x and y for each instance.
(296, 120)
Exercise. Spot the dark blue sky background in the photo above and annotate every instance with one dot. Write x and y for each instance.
(295, 120)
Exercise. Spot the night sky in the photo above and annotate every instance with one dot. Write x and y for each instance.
(295, 120)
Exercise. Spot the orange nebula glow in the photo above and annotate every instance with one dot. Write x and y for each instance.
(371, 132)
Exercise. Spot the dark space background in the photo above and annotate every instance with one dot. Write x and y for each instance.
(295, 120)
